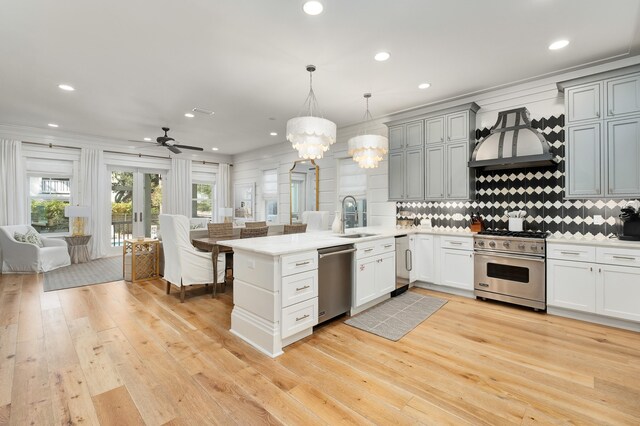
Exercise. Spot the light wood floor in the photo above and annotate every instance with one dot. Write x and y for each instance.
(126, 354)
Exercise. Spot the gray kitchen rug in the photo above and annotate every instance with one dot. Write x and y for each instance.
(103, 270)
(394, 318)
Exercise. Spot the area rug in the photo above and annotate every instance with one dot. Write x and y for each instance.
(104, 270)
(397, 316)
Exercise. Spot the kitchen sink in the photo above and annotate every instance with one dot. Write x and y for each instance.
(357, 235)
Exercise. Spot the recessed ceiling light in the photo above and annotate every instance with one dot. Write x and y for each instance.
(52, 125)
(147, 139)
(214, 149)
(558, 44)
(381, 56)
(189, 115)
(424, 86)
(273, 134)
(312, 8)
(66, 87)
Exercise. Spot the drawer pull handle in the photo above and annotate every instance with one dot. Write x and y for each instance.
(302, 288)
(302, 263)
(388, 245)
(574, 253)
(368, 250)
(624, 257)
(455, 243)
(302, 317)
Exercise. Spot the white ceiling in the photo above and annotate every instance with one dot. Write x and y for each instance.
(140, 65)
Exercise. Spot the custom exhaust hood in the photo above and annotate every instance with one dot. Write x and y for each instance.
(513, 143)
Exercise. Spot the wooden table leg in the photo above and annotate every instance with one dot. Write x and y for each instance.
(214, 258)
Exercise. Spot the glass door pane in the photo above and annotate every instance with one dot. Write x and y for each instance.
(122, 184)
(151, 203)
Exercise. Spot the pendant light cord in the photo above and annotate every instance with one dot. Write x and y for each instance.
(311, 103)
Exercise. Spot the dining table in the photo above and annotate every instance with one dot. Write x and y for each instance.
(210, 244)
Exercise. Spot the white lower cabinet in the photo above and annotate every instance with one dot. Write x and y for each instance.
(456, 268)
(424, 258)
(571, 285)
(375, 276)
(618, 292)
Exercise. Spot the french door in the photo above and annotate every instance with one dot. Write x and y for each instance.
(136, 203)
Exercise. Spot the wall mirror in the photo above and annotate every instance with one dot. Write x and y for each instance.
(243, 201)
(303, 189)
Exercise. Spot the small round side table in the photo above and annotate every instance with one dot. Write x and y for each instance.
(78, 248)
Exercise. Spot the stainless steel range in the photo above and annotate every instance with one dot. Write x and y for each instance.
(510, 267)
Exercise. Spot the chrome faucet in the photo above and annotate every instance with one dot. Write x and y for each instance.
(344, 213)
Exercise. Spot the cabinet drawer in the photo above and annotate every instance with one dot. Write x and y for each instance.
(299, 317)
(618, 256)
(301, 262)
(385, 246)
(366, 249)
(571, 252)
(462, 243)
(299, 287)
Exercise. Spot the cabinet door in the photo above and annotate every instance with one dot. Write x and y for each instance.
(457, 268)
(435, 172)
(385, 274)
(414, 174)
(618, 292)
(410, 259)
(623, 157)
(396, 176)
(458, 126)
(584, 176)
(424, 257)
(571, 285)
(435, 130)
(583, 102)
(365, 288)
(414, 136)
(396, 137)
(623, 95)
(457, 170)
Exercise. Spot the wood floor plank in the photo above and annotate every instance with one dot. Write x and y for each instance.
(61, 352)
(8, 347)
(115, 407)
(71, 399)
(30, 317)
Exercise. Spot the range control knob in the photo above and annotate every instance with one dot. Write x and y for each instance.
(521, 246)
(480, 243)
(492, 244)
(506, 244)
(534, 247)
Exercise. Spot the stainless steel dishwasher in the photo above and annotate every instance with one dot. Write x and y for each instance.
(335, 279)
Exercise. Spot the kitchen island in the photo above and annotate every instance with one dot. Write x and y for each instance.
(275, 293)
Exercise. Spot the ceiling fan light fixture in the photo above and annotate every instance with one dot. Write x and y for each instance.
(368, 148)
(310, 134)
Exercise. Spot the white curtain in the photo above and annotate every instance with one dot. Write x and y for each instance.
(224, 185)
(94, 191)
(13, 197)
(177, 197)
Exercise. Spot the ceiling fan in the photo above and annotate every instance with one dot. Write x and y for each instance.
(169, 143)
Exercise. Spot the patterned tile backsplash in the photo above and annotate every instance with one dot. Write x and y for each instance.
(539, 191)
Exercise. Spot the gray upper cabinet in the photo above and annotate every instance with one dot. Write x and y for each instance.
(623, 96)
(396, 179)
(457, 171)
(584, 148)
(434, 172)
(584, 102)
(434, 128)
(623, 157)
(414, 174)
(458, 126)
(414, 135)
(396, 137)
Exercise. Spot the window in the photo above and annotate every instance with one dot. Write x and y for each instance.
(270, 194)
(48, 196)
(352, 180)
(202, 200)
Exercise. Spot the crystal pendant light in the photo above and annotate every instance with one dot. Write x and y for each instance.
(309, 134)
(368, 148)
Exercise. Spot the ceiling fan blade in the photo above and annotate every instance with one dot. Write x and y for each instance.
(195, 148)
(143, 144)
(173, 149)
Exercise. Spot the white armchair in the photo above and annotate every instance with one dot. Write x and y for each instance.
(26, 257)
(183, 264)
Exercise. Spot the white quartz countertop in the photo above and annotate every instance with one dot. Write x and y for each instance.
(609, 242)
(277, 245)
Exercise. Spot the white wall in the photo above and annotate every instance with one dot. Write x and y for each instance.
(541, 98)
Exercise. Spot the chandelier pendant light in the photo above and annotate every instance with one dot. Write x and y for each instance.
(367, 149)
(311, 135)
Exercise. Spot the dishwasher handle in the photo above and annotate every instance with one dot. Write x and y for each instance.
(408, 256)
(337, 252)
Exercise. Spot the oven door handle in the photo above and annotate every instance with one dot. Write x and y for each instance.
(510, 256)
